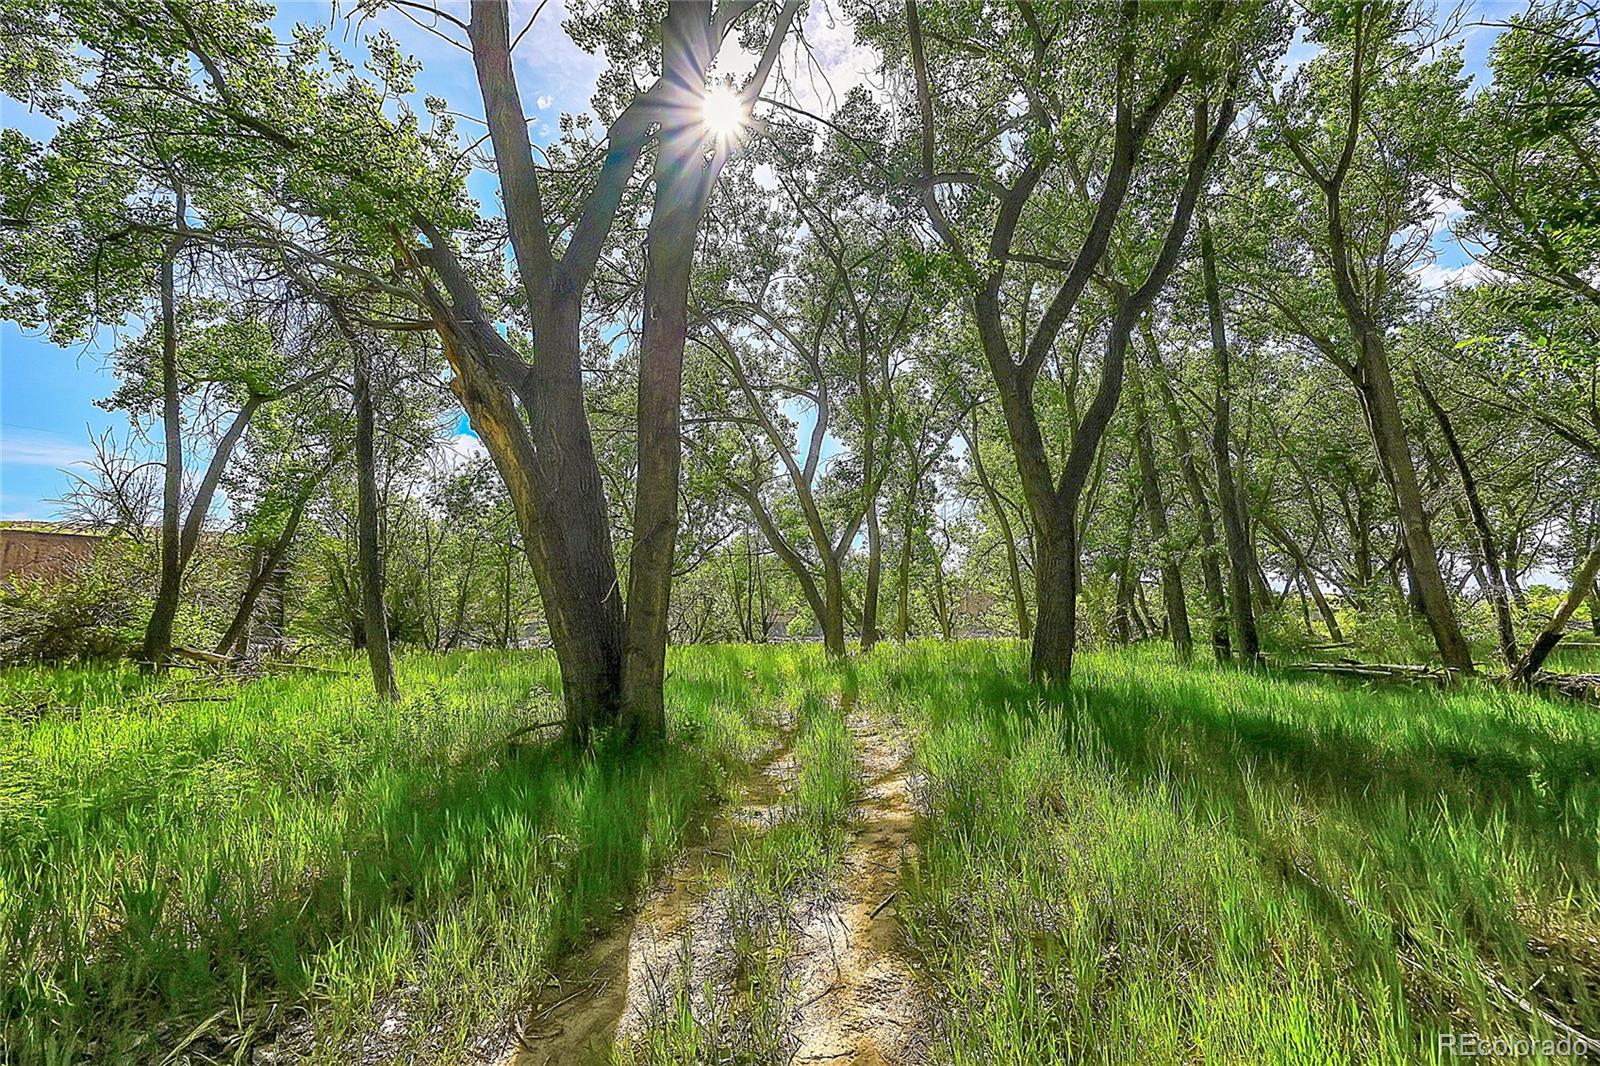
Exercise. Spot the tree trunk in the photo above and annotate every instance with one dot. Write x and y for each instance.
(1122, 617)
(869, 601)
(682, 185)
(1246, 644)
(1211, 551)
(902, 617)
(1055, 571)
(1172, 594)
(1376, 383)
(833, 608)
(374, 615)
(158, 633)
(1499, 595)
(1550, 636)
(1019, 598)
(1390, 436)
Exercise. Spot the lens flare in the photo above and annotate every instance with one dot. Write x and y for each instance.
(722, 111)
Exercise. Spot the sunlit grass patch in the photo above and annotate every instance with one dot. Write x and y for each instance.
(174, 853)
(1170, 863)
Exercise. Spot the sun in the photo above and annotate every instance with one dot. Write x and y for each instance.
(722, 112)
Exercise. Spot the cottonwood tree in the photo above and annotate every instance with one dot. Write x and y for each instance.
(348, 149)
(1350, 143)
(1038, 140)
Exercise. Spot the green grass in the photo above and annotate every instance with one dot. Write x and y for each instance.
(1158, 864)
(1181, 864)
(297, 850)
(774, 870)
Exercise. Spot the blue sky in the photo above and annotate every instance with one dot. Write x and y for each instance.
(47, 393)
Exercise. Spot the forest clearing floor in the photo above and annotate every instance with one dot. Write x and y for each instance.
(777, 937)
(914, 854)
(606, 989)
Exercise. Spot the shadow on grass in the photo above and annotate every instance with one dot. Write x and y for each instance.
(1486, 751)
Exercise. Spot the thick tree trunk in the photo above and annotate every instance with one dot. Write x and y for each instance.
(1582, 586)
(1172, 594)
(1055, 571)
(833, 609)
(374, 614)
(158, 633)
(682, 184)
(1246, 644)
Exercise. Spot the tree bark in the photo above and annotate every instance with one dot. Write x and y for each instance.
(1494, 572)
(1550, 636)
(682, 185)
(374, 614)
(902, 617)
(157, 645)
(1246, 644)
(870, 596)
(1172, 594)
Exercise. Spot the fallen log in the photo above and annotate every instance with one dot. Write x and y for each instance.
(210, 658)
(1584, 687)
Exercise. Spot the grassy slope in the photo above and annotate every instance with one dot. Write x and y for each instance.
(1163, 864)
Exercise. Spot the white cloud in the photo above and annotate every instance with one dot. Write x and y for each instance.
(24, 447)
(544, 101)
(1433, 276)
(1444, 210)
(454, 452)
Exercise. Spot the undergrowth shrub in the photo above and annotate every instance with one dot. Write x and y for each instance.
(94, 610)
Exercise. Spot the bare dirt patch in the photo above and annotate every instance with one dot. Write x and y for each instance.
(859, 1000)
(612, 989)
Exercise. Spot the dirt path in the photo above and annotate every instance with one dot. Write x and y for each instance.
(859, 1000)
(612, 989)
(849, 994)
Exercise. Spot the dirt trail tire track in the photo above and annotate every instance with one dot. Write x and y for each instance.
(612, 989)
(859, 999)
